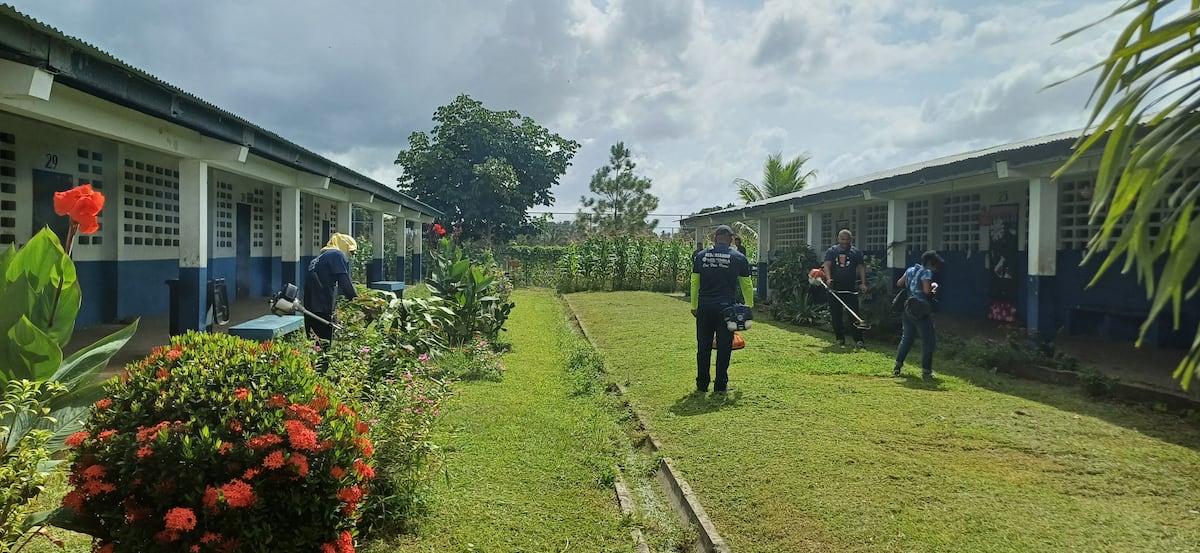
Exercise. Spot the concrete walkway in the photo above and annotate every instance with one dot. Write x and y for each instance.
(155, 331)
(1147, 366)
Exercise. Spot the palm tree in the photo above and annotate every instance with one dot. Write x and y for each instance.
(1146, 117)
(778, 179)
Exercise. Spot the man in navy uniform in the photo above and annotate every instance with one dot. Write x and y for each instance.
(846, 276)
(717, 275)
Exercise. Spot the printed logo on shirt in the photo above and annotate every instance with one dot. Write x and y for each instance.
(843, 260)
(715, 260)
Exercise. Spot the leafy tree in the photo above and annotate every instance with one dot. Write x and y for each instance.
(484, 169)
(779, 178)
(1146, 114)
(623, 199)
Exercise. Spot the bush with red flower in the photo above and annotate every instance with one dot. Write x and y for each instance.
(215, 443)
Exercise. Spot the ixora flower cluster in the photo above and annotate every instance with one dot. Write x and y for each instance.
(219, 444)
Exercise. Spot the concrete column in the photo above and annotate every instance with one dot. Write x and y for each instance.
(375, 266)
(289, 225)
(192, 289)
(897, 234)
(345, 218)
(765, 244)
(814, 233)
(1040, 316)
(418, 246)
(401, 248)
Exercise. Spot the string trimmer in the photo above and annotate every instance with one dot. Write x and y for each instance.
(818, 276)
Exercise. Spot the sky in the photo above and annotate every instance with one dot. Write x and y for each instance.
(701, 91)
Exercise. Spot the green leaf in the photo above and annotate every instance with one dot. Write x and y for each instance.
(32, 354)
(82, 366)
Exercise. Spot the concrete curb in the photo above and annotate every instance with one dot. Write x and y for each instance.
(686, 504)
(627, 509)
(678, 492)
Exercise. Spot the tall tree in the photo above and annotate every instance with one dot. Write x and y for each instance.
(484, 169)
(1145, 117)
(779, 178)
(623, 201)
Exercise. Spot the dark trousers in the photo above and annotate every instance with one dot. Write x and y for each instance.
(317, 328)
(710, 324)
(837, 313)
(914, 327)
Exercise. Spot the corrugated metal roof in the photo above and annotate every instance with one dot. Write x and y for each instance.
(1069, 136)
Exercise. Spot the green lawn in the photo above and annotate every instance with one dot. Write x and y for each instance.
(819, 449)
(529, 464)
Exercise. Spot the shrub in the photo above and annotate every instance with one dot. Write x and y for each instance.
(219, 444)
(476, 360)
(477, 294)
(21, 474)
(792, 298)
(404, 411)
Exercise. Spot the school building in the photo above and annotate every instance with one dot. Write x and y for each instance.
(1013, 238)
(193, 193)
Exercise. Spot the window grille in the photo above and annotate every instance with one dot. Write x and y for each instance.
(150, 216)
(790, 231)
(960, 222)
(917, 219)
(874, 236)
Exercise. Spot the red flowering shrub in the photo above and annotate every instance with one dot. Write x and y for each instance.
(220, 444)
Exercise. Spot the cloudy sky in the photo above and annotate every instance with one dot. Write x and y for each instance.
(700, 90)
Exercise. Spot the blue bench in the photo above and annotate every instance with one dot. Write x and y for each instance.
(1113, 323)
(393, 286)
(268, 327)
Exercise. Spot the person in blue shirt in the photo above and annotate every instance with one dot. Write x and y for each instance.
(918, 312)
(846, 276)
(718, 273)
(328, 276)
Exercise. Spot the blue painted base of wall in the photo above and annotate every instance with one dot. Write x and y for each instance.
(375, 270)
(290, 274)
(399, 269)
(141, 288)
(416, 268)
(97, 282)
(1041, 318)
(761, 292)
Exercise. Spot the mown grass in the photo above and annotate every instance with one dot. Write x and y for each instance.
(531, 465)
(818, 448)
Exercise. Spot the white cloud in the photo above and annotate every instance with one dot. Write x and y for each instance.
(701, 90)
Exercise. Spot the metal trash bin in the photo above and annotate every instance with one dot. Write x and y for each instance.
(173, 306)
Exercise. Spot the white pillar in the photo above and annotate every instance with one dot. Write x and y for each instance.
(289, 224)
(192, 288)
(1043, 226)
(897, 234)
(418, 237)
(814, 233)
(193, 213)
(375, 268)
(345, 218)
(765, 240)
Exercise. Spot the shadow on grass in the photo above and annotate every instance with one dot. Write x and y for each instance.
(698, 404)
(916, 382)
(1144, 418)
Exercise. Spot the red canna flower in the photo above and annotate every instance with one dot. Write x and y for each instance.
(82, 205)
